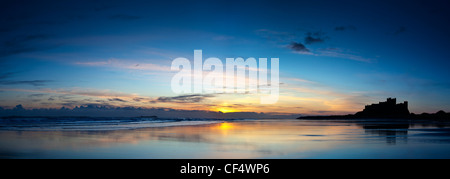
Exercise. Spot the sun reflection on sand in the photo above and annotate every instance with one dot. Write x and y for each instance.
(226, 126)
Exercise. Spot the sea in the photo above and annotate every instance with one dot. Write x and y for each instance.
(187, 138)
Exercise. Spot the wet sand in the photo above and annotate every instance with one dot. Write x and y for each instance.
(239, 139)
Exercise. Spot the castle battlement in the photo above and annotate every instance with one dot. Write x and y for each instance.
(386, 108)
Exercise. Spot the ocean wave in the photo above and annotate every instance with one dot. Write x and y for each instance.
(98, 123)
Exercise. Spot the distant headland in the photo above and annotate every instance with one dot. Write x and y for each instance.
(388, 109)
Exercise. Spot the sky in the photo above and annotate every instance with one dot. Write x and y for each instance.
(334, 56)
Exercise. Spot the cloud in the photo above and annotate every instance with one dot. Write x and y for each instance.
(138, 99)
(322, 112)
(35, 95)
(96, 110)
(117, 99)
(340, 53)
(124, 17)
(26, 82)
(328, 52)
(126, 64)
(300, 80)
(65, 93)
(315, 37)
(311, 40)
(23, 44)
(298, 47)
(194, 98)
(77, 96)
(345, 28)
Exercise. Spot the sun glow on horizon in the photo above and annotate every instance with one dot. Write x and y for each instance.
(225, 108)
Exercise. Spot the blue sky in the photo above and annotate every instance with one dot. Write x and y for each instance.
(335, 56)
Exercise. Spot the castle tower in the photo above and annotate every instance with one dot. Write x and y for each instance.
(392, 101)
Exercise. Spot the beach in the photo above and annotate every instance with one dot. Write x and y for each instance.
(235, 139)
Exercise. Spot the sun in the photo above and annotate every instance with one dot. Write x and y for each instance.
(225, 110)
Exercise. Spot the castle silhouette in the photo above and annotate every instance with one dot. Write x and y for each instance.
(389, 108)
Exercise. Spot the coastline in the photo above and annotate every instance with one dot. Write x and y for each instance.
(388, 109)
